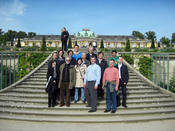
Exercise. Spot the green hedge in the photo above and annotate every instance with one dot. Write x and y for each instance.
(145, 66)
(29, 61)
(128, 58)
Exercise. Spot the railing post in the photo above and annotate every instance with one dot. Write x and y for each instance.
(14, 71)
(10, 80)
(159, 69)
(167, 72)
(163, 71)
(152, 67)
(1, 70)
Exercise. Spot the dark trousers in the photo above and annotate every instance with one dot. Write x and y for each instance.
(122, 88)
(64, 45)
(64, 88)
(91, 95)
(51, 100)
(100, 92)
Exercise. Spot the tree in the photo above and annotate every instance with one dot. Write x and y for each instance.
(21, 34)
(173, 39)
(3, 39)
(102, 44)
(43, 47)
(165, 41)
(69, 43)
(150, 35)
(11, 35)
(138, 34)
(1, 32)
(76, 43)
(127, 48)
(31, 34)
(18, 43)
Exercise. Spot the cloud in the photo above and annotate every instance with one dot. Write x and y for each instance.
(10, 10)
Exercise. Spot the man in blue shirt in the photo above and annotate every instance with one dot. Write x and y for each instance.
(91, 82)
(76, 55)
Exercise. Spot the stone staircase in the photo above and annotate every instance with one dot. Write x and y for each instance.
(27, 101)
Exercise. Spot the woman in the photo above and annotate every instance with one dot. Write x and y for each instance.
(61, 57)
(80, 70)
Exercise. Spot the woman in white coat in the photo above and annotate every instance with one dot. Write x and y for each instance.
(80, 69)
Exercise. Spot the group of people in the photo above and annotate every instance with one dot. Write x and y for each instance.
(91, 75)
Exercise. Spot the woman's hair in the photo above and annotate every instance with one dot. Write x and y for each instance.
(59, 52)
(78, 60)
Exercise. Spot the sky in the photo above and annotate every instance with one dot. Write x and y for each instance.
(104, 17)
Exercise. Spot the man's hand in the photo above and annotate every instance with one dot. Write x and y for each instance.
(84, 85)
(116, 88)
(95, 87)
(54, 81)
(124, 83)
(103, 87)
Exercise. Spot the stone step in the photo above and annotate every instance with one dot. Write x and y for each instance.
(44, 83)
(84, 113)
(43, 87)
(101, 102)
(42, 91)
(77, 107)
(36, 96)
(93, 120)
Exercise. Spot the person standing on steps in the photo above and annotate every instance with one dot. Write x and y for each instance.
(54, 58)
(103, 64)
(52, 79)
(61, 57)
(90, 54)
(67, 81)
(64, 38)
(111, 82)
(76, 55)
(91, 82)
(70, 54)
(85, 61)
(80, 72)
(114, 57)
(124, 77)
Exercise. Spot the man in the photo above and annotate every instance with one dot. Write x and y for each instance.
(114, 57)
(64, 37)
(54, 58)
(103, 64)
(111, 82)
(67, 81)
(123, 76)
(91, 82)
(85, 61)
(76, 55)
(72, 61)
(90, 54)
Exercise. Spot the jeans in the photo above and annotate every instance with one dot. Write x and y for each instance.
(110, 95)
(76, 94)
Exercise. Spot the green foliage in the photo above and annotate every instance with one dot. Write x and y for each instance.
(43, 46)
(69, 43)
(29, 61)
(152, 44)
(138, 34)
(165, 41)
(168, 50)
(145, 66)
(18, 43)
(128, 58)
(51, 49)
(150, 35)
(128, 48)
(173, 38)
(102, 45)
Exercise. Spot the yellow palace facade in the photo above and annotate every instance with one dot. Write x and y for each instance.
(84, 37)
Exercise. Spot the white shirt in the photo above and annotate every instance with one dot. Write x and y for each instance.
(119, 66)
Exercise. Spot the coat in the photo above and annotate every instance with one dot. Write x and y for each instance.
(72, 76)
(124, 73)
(88, 56)
(80, 76)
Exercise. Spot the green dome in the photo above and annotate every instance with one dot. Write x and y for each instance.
(86, 33)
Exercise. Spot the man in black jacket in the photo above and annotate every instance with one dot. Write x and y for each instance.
(103, 65)
(123, 80)
(90, 54)
(64, 38)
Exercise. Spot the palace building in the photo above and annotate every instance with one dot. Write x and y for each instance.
(86, 36)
